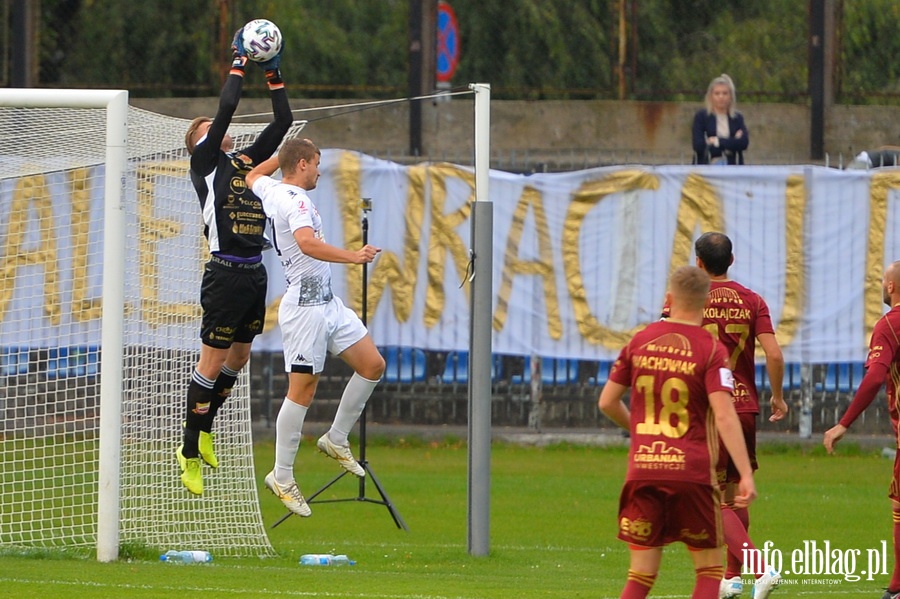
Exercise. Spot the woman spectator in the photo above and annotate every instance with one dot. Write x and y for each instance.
(719, 133)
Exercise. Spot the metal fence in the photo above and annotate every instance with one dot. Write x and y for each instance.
(431, 388)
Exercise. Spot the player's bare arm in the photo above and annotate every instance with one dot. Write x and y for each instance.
(314, 247)
(868, 389)
(266, 168)
(732, 436)
(611, 404)
(775, 372)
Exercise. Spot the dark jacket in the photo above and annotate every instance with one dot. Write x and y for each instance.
(732, 147)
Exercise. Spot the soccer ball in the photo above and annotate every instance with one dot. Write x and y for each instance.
(262, 40)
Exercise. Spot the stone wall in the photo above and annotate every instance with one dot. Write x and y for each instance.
(579, 133)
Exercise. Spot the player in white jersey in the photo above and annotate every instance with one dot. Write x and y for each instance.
(313, 320)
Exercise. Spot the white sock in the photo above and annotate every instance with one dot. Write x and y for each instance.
(354, 399)
(288, 429)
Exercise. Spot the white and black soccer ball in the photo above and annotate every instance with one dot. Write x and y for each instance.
(262, 40)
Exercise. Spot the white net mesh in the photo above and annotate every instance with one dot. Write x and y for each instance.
(51, 243)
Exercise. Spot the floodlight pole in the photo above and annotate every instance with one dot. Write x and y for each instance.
(480, 327)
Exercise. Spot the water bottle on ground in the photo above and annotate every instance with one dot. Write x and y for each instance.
(325, 559)
(186, 557)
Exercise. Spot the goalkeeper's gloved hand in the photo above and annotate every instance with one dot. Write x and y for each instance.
(273, 73)
(238, 53)
(273, 63)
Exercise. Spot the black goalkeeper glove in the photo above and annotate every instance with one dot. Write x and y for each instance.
(273, 73)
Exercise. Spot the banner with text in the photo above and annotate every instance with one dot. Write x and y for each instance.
(580, 259)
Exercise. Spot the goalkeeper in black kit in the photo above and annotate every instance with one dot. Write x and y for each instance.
(233, 293)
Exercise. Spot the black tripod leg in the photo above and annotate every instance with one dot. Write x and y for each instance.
(398, 520)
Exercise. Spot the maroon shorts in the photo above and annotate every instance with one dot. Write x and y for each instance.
(725, 469)
(654, 514)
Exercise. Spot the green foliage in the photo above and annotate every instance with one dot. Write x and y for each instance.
(748, 43)
(869, 49)
(159, 45)
(344, 46)
(530, 49)
(531, 46)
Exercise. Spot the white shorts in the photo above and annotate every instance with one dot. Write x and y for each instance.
(310, 332)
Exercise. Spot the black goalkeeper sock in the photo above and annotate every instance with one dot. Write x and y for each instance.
(199, 398)
(221, 391)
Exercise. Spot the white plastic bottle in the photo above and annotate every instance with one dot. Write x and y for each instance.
(186, 557)
(325, 559)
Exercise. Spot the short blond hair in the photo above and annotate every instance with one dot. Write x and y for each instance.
(293, 151)
(689, 286)
(189, 142)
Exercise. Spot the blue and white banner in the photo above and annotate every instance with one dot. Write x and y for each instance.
(581, 259)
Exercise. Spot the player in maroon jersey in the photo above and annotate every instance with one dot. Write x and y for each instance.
(681, 404)
(739, 317)
(882, 365)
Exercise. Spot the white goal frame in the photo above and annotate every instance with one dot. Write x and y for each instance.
(96, 357)
(115, 102)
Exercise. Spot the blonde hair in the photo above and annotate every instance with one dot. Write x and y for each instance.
(689, 286)
(725, 80)
(192, 129)
(293, 151)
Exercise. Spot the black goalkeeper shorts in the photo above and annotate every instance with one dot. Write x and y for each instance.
(233, 298)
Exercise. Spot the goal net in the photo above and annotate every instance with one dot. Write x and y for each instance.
(56, 175)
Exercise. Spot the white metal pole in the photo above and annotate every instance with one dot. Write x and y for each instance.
(116, 104)
(112, 336)
(479, 494)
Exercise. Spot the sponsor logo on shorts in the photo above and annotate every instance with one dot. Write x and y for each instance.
(639, 529)
(299, 359)
(694, 536)
(221, 334)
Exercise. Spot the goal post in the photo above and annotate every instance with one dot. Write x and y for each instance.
(101, 256)
(115, 105)
(112, 327)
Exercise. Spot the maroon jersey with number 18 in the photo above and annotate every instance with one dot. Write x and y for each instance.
(672, 367)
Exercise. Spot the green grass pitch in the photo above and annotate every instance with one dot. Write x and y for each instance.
(553, 527)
